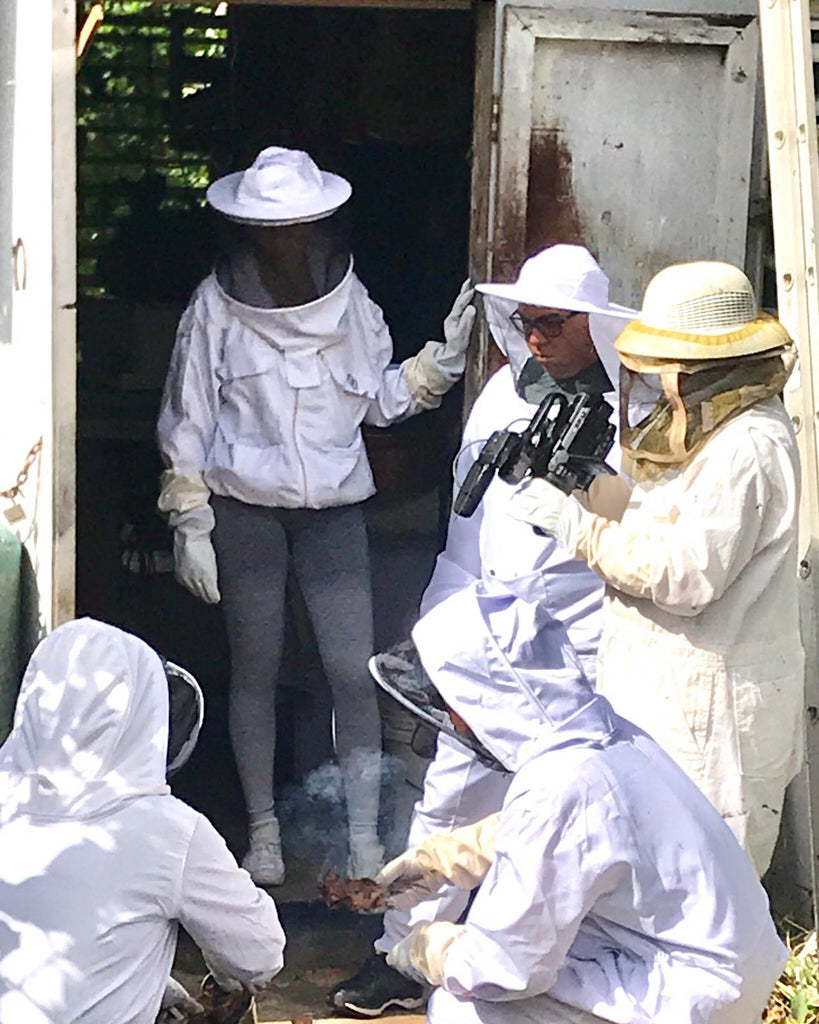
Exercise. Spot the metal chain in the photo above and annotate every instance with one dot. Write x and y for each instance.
(22, 476)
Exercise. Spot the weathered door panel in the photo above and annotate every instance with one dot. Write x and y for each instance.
(629, 133)
(483, 166)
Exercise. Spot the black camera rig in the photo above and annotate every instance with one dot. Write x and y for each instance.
(566, 443)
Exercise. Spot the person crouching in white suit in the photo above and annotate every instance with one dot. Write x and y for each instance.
(609, 888)
(280, 357)
(99, 863)
(701, 643)
(557, 326)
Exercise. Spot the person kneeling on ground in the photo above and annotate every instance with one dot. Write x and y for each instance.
(609, 888)
(98, 861)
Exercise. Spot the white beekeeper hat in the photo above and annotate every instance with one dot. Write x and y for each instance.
(283, 186)
(705, 309)
(561, 277)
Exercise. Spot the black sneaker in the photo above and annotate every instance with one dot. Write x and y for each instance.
(375, 989)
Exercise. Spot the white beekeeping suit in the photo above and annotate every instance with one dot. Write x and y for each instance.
(701, 642)
(484, 553)
(265, 404)
(280, 358)
(609, 887)
(98, 862)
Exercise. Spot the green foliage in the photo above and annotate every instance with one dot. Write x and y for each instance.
(795, 1000)
(141, 66)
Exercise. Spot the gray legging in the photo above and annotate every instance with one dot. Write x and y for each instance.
(330, 557)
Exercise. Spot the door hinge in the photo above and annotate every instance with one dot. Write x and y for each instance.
(494, 121)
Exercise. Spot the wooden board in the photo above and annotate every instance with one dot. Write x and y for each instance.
(413, 1018)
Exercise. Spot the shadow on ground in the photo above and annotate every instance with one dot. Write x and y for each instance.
(323, 947)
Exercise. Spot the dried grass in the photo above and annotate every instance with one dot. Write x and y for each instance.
(795, 999)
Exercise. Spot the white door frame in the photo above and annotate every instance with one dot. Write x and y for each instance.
(63, 309)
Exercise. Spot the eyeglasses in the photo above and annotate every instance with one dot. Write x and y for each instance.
(550, 325)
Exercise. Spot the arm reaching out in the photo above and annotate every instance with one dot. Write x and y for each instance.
(461, 857)
(234, 923)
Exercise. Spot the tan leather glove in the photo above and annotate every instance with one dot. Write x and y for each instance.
(461, 858)
(608, 496)
(420, 956)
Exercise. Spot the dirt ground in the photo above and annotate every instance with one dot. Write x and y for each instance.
(323, 947)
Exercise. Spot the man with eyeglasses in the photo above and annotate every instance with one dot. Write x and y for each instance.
(556, 327)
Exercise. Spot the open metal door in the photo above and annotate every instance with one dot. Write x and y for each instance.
(37, 273)
(631, 133)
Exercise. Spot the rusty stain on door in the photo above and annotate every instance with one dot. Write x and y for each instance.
(551, 214)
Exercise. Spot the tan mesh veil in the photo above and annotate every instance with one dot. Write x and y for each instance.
(669, 410)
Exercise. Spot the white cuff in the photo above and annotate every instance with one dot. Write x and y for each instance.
(181, 493)
(428, 379)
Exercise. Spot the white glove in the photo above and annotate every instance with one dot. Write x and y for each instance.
(420, 956)
(547, 508)
(461, 857)
(458, 326)
(629, 558)
(178, 997)
(432, 371)
(181, 493)
(193, 555)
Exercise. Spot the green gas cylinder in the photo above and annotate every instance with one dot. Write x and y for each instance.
(11, 552)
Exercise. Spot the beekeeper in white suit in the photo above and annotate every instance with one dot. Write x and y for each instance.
(557, 326)
(609, 887)
(279, 359)
(99, 863)
(701, 642)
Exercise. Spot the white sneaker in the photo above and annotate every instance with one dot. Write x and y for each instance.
(366, 857)
(263, 861)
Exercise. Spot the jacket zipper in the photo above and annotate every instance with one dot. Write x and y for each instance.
(296, 446)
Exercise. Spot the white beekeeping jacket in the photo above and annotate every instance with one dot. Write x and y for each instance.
(98, 862)
(616, 887)
(490, 546)
(266, 405)
(718, 619)
(506, 554)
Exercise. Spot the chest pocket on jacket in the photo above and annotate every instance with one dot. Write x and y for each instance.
(251, 396)
(355, 384)
(352, 370)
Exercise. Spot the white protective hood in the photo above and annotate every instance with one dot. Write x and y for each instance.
(604, 332)
(300, 333)
(558, 277)
(515, 711)
(90, 728)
